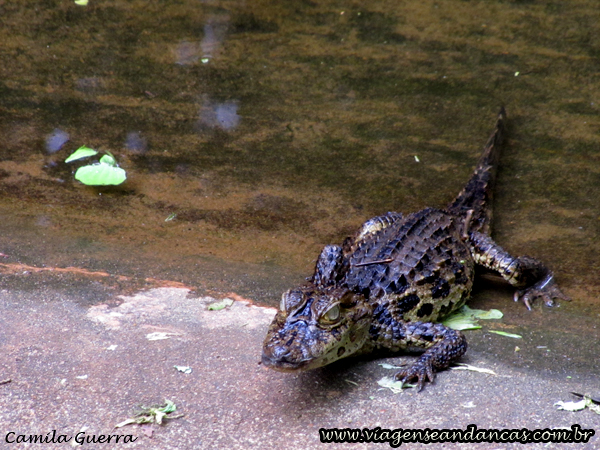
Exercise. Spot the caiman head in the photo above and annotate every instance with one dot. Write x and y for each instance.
(316, 326)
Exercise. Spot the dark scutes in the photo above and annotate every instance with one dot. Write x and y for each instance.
(441, 289)
(425, 310)
(407, 303)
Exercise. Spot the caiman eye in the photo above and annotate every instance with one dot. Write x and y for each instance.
(332, 314)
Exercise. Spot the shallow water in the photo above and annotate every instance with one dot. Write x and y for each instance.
(271, 129)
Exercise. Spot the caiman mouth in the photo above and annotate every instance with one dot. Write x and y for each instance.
(281, 365)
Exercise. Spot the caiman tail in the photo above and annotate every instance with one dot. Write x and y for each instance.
(474, 201)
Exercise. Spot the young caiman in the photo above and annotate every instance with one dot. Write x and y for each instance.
(386, 286)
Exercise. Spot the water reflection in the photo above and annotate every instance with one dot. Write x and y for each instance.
(214, 33)
(136, 143)
(188, 52)
(90, 85)
(55, 140)
(219, 115)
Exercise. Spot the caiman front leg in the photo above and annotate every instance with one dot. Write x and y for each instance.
(442, 346)
(530, 276)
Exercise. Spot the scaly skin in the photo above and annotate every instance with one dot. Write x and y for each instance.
(388, 285)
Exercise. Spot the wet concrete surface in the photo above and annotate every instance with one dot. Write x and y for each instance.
(80, 369)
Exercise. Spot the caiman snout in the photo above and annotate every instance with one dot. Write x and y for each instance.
(281, 359)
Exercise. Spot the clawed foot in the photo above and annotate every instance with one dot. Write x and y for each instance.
(422, 370)
(545, 289)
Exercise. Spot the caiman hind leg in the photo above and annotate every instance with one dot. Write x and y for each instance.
(530, 276)
(443, 345)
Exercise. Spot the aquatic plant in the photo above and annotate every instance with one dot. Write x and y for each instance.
(105, 172)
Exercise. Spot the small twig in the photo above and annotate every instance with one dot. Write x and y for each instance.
(467, 224)
(368, 263)
(8, 380)
(594, 400)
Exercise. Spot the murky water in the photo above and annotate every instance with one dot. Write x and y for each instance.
(273, 128)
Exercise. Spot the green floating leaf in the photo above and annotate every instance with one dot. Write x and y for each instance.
(220, 305)
(504, 333)
(80, 153)
(466, 318)
(593, 404)
(100, 175)
(393, 385)
(461, 366)
(159, 335)
(184, 369)
(460, 321)
(389, 366)
(571, 406)
(482, 314)
(109, 159)
(152, 414)
(169, 407)
(127, 422)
